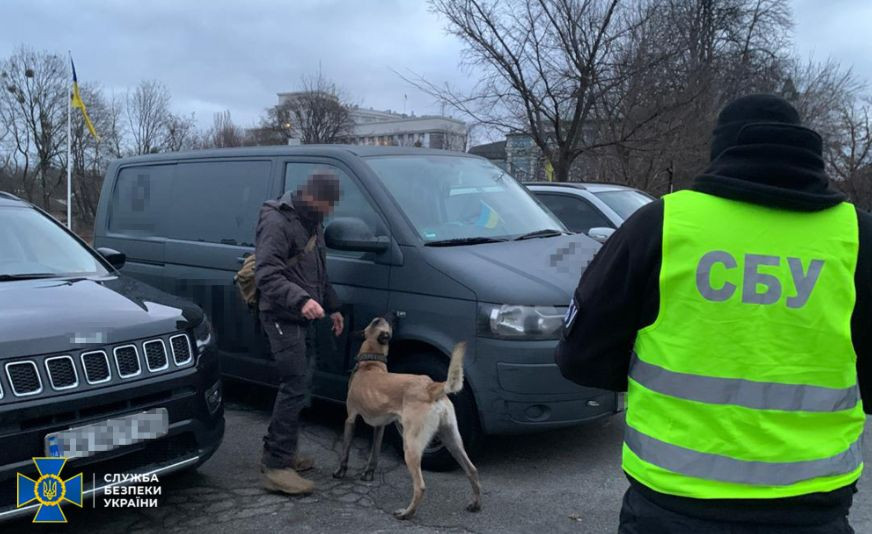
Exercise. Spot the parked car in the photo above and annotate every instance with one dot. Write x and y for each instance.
(595, 209)
(97, 367)
(459, 249)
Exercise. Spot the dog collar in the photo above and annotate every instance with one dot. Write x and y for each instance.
(372, 357)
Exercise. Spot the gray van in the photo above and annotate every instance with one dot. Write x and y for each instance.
(458, 248)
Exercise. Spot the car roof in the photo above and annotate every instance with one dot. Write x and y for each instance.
(593, 187)
(8, 199)
(296, 150)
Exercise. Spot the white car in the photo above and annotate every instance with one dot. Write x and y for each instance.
(595, 209)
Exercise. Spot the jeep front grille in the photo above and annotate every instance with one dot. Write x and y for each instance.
(127, 361)
(61, 372)
(96, 365)
(23, 378)
(73, 371)
(156, 355)
(182, 353)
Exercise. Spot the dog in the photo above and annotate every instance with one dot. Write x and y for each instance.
(419, 404)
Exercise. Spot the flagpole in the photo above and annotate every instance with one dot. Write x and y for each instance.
(69, 148)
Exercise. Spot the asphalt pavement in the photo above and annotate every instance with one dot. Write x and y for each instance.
(560, 481)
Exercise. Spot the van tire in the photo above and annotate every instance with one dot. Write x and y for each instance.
(436, 368)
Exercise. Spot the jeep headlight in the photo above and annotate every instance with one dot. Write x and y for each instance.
(203, 335)
(511, 321)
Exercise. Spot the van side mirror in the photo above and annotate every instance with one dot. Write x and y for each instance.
(352, 234)
(600, 234)
(116, 259)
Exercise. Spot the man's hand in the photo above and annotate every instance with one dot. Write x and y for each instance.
(312, 310)
(338, 323)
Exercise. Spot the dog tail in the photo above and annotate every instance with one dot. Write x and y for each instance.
(454, 382)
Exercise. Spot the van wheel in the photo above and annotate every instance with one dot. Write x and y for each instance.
(436, 456)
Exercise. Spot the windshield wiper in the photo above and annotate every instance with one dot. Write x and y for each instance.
(464, 241)
(26, 276)
(548, 232)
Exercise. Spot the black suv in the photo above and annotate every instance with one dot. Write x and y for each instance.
(112, 374)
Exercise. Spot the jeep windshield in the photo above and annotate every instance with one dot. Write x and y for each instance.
(33, 246)
(456, 200)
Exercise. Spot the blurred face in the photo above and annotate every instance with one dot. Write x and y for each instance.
(323, 207)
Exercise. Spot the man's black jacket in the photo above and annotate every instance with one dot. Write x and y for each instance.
(281, 234)
(619, 294)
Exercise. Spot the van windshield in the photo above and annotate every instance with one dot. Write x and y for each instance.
(32, 246)
(451, 198)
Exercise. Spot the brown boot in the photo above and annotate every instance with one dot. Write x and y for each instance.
(286, 481)
(303, 463)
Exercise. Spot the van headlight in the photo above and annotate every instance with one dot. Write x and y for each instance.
(203, 335)
(511, 321)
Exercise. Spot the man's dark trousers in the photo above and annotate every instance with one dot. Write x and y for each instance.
(292, 349)
(641, 516)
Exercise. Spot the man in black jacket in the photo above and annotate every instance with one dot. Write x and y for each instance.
(762, 156)
(291, 277)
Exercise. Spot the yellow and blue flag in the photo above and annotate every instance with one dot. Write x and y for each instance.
(488, 217)
(78, 103)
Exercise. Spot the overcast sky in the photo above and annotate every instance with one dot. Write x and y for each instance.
(236, 55)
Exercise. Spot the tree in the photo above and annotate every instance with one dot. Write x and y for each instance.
(91, 155)
(148, 112)
(316, 114)
(682, 66)
(224, 132)
(180, 132)
(33, 110)
(849, 153)
(544, 64)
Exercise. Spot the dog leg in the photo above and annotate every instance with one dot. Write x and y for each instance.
(450, 436)
(413, 450)
(346, 445)
(377, 435)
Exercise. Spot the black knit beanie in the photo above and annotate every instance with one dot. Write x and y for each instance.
(761, 119)
(761, 153)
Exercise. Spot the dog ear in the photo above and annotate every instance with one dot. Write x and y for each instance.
(392, 319)
(384, 338)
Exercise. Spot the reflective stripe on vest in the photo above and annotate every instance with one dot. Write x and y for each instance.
(726, 469)
(740, 392)
(745, 385)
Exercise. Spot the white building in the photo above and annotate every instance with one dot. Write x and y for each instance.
(388, 128)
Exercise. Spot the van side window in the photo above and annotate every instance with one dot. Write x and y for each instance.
(352, 202)
(218, 201)
(141, 200)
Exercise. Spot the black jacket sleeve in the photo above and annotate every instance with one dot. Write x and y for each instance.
(618, 294)
(273, 247)
(861, 320)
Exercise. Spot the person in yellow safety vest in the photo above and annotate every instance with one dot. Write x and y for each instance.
(736, 315)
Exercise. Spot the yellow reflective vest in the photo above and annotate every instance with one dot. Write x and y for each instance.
(745, 386)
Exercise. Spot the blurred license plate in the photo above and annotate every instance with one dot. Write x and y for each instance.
(107, 435)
